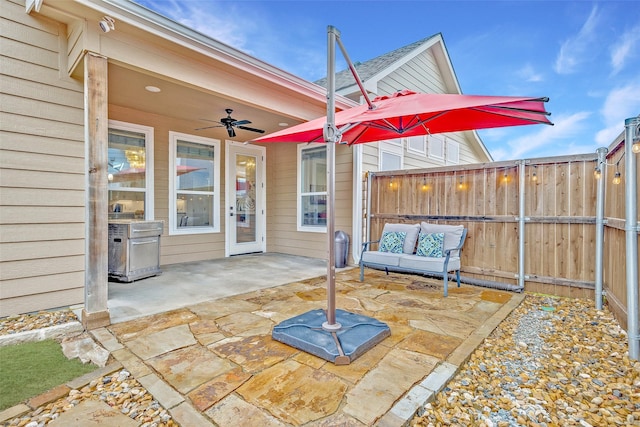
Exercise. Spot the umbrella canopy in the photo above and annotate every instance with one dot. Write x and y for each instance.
(408, 113)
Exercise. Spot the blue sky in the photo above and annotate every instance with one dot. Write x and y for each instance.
(583, 55)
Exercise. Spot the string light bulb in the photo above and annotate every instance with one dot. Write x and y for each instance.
(460, 183)
(597, 172)
(425, 187)
(636, 147)
(617, 179)
(534, 175)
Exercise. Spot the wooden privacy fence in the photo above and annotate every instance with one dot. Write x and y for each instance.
(557, 214)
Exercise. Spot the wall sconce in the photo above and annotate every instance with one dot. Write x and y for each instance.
(107, 24)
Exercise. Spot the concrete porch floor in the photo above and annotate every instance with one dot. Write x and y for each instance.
(208, 356)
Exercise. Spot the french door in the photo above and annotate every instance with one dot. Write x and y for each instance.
(245, 199)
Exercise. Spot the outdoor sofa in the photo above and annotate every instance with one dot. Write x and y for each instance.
(427, 249)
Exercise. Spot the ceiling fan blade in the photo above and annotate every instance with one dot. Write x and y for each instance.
(240, 122)
(250, 129)
(209, 127)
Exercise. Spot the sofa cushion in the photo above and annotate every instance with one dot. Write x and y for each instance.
(452, 234)
(411, 237)
(392, 241)
(430, 244)
(416, 262)
(386, 258)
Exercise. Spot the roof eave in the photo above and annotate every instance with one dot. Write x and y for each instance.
(172, 31)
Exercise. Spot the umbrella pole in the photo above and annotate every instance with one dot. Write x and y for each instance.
(330, 137)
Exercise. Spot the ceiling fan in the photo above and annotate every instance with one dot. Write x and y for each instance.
(230, 123)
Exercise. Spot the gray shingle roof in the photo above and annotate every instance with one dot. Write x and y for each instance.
(373, 66)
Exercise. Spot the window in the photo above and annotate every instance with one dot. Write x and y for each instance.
(312, 187)
(194, 184)
(417, 144)
(453, 152)
(391, 155)
(436, 147)
(130, 171)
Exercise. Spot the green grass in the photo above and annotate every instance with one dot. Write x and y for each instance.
(28, 369)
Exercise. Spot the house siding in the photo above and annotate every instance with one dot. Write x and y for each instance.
(420, 74)
(175, 249)
(282, 234)
(42, 198)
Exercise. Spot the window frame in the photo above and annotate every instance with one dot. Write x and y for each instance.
(422, 151)
(442, 141)
(148, 131)
(393, 147)
(174, 137)
(452, 152)
(299, 194)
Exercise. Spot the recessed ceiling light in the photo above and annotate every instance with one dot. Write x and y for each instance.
(153, 89)
(283, 124)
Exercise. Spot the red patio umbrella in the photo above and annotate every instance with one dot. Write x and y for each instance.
(407, 113)
(402, 114)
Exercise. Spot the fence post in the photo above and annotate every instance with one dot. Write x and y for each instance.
(521, 221)
(632, 134)
(602, 164)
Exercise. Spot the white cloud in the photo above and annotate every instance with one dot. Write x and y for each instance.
(621, 103)
(211, 18)
(626, 47)
(546, 138)
(528, 74)
(577, 48)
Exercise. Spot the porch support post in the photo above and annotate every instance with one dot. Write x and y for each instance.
(631, 232)
(96, 313)
(602, 163)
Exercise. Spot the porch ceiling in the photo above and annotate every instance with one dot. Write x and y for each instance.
(192, 105)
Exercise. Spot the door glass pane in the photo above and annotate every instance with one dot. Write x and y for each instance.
(245, 199)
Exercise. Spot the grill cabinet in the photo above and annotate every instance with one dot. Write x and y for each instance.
(134, 249)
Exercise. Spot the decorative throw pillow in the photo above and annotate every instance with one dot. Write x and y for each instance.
(430, 245)
(392, 241)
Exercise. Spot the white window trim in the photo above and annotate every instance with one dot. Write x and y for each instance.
(423, 151)
(215, 143)
(393, 147)
(148, 131)
(300, 226)
(442, 141)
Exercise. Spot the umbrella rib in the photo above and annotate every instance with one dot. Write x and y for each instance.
(528, 119)
(501, 107)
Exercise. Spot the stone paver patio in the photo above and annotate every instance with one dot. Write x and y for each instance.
(214, 363)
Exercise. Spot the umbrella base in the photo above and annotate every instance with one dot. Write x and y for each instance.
(356, 335)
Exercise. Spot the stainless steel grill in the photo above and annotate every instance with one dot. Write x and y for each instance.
(134, 249)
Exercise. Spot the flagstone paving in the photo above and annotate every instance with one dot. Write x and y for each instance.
(217, 363)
